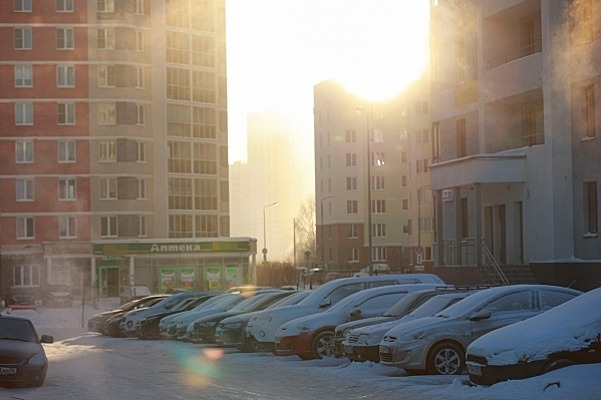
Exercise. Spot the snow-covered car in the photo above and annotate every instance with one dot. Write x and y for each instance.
(261, 329)
(362, 343)
(436, 345)
(312, 336)
(398, 310)
(111, 326)
(59, 296)
(204, 328)
(567, 335)
(230, 331)
(131, 319)
(23, 361)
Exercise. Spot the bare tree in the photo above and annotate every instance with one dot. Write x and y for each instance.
(305, 232)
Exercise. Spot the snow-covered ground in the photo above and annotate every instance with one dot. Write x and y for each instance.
(83, 365)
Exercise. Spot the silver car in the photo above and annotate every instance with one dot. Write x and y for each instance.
(436, 345)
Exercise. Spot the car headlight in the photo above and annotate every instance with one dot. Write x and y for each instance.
(37, 359)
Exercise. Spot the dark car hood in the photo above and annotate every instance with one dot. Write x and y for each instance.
(17, 348)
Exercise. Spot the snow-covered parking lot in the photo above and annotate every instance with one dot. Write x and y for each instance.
(84, 365)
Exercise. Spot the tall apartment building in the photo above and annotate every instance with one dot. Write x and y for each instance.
(345, 161)
(515, 111)
(113, 143)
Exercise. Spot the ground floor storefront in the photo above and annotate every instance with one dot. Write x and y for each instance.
(30, 274)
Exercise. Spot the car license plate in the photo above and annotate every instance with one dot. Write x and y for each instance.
(474, 369)
(348, 349)
(8, 371)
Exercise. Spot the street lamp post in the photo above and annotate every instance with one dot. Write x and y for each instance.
(369, 229)
(275, 203)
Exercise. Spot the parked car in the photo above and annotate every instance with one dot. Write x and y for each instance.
(112, 324)
(130, 293)
(23, 361)
(312, 336)
(149, 326)
(230, 331)
(362, 343)
(58, 296)
(203, 329)
(567, 335)
(132, 319)
(261, 329)
(436, 345)
(96, 322)
(168, 324)
(398, 310)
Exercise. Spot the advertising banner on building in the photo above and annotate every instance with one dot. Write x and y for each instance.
(214, 278)
(167, 279)
(187, 277)
(232, 277)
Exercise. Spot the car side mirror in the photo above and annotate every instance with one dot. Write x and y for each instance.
(480, 315)
(355, 314)
(47, 339)
(325, 303)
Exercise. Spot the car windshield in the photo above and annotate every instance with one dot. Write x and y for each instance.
(16, 329)
(248, 304)
(291, 300)
(469, 303)
(406, 304)
(434, 305)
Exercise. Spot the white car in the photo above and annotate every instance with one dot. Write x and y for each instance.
(131, 319)
(362, 343)
(437, 344)
(261, 329)
(312, 336)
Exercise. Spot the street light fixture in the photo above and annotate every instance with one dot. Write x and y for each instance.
(264, 231)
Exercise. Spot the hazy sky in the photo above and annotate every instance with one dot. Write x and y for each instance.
(279, 49)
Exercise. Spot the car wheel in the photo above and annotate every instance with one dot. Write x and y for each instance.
(557, 364)
(255, 347)
(323, 345)
(445, 359)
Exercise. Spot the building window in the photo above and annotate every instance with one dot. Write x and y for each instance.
(142, 226)
(141, 152)
(106, 39)
(203, 86)
(108, 188)
(106, 76)
(590, 206)
(180, 226)
(204, 123)
(67, 227)
(65, 76)
(108, 226)
(106, 5)
(178, 84)
(66, 189)
(588, 95)
(139, 41)
(377, 183)
(461, 138)
(180, 157)
(436, 140)
(351, 183)
(351, 159)
(404, 180)
(378, 159)
(140, 114)
(139, 6)
(205, 194)
(353, 255)
(107, 151)
(141, 189)
(66, 151)
(24, 189)
(23, 76)
(205, 159)
(580, 16)
(140, 78)
(206, 226)
(23, 39)
(22, 5)
(64, 6)
(378, 253)
(378, 230)
(24, 152)
(378, 206)
(351, 136)
(351, 207)
(179, 191)
(64, 39)
(107, 114)
(24, 114)
(203, 51)
(66, 113)
(405, 204)
(26, 275)
(353, 231)
(25, 228)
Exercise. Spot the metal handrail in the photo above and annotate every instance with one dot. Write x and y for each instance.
(496, 267)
